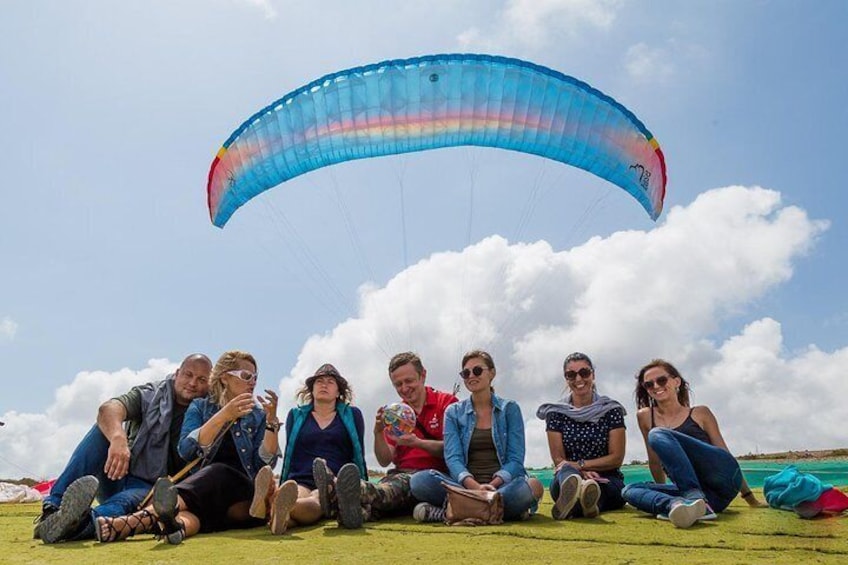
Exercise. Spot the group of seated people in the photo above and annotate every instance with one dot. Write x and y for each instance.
(195, 453)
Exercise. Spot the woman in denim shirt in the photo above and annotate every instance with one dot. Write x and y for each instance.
(484, 448)
(235, 438)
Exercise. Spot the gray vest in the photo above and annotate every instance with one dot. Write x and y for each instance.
(149, 452)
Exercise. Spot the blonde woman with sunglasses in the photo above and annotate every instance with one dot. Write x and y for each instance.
(684, 444)
(234, 437)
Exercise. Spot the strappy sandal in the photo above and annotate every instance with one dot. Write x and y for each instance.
(165, 507)
(106, 530)
(175, 537)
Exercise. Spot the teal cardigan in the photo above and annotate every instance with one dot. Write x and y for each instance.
(300, 414)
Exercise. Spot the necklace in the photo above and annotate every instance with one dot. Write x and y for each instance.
(667, 418)
(323, 420)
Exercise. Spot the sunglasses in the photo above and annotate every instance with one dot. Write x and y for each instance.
(478, 370)
(244, 375)
(659, 381)
(584, 373)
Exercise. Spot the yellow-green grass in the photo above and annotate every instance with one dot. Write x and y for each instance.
(740, 535)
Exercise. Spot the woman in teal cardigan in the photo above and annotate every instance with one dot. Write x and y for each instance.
(324, 437)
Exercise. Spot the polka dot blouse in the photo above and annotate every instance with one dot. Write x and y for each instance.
(585, 440)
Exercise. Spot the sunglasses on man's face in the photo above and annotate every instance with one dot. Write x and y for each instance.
(659, 381)
(583, 373)
(477, 371)
(244, 375)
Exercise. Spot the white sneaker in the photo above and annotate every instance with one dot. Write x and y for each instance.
(590, 494)
(709, 515)
(684, 514)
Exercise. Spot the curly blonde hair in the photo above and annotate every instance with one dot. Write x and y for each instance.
(228, 361)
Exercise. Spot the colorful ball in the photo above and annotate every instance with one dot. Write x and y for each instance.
(399, 418)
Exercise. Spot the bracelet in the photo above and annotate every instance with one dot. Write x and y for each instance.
(745, 494)
(273, 426)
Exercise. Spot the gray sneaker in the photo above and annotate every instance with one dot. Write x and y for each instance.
(348, 493)
(323, 478)
(75, 506)
(426, 512)
(569, 490)
(47, 509)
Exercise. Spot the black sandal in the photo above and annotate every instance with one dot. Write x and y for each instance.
(165, 505)
(141, 522)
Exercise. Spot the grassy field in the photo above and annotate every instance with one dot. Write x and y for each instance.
(740, 535)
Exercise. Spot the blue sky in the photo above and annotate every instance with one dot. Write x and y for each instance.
(112, 271)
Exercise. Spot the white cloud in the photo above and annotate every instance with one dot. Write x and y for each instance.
(623, 300)
(769, 401)
(8, 328)
(534, 23)
(645, 63)
(266, 6)
(39, 445)
(469, 37)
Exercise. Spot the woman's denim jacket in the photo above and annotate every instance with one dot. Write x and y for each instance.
(507, 433)
(247, 432)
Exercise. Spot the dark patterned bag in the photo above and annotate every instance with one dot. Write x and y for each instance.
(473, 507)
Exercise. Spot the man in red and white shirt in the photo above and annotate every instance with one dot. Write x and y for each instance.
(409, 453)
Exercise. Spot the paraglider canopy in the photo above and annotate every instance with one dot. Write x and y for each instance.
(430, 102)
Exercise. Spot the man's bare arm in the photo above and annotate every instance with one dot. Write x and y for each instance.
(110, 420)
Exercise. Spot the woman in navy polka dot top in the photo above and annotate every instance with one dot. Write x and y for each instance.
(586, 436)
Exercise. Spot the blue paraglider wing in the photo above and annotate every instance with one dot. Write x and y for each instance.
(430, 102)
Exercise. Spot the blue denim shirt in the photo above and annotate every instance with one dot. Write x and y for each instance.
(248, 433)
(507, 434)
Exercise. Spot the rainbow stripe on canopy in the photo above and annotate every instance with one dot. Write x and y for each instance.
(431, 102)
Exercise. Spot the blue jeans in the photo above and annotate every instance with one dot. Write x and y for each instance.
(116, 497)
(696, 469)
(517, 495)
(610, 491)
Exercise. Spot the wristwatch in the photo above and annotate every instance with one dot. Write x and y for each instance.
(580, 464)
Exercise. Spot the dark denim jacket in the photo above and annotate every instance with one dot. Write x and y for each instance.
(247, 432)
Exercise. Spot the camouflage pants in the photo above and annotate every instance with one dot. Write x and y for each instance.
(390, 496)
